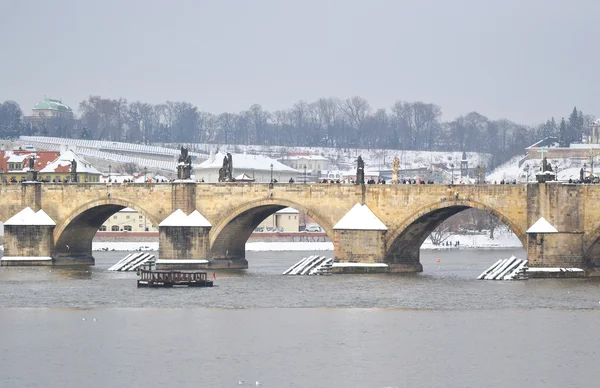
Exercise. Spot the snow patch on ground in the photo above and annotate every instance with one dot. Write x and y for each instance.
(501, 240)
(508, 171)
(568, 168)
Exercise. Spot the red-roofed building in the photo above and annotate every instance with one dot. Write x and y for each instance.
(14, 164)
(52, 166)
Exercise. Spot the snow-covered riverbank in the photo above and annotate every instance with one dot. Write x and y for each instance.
(465, 241)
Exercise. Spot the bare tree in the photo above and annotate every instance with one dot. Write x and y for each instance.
(416, 123)
(356, 110)
(129, 168)
(441, 233)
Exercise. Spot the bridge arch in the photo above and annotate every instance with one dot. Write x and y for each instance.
(73, 236)
(404, 242)
(229, 234)
(591, 249)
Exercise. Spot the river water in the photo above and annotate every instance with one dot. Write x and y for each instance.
(87, 327)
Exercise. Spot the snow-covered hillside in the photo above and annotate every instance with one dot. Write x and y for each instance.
(340, 158)
(345, 158)
(568, 168)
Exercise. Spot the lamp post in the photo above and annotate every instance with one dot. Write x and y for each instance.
(452, 169)
(591, 154)
(109, 170)
(305, 174)
(527, 171)
(478, 175)
(271, 172)
(145, 174)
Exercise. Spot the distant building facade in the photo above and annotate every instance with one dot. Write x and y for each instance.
(312, 163)
(255, 167)
(60, 169)
(285, 220)
(15, 164)
(127, 220)
(50, 117)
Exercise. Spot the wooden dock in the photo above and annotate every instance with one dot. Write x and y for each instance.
(163, 278)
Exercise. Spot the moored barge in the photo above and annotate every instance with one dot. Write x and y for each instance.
(164, 278)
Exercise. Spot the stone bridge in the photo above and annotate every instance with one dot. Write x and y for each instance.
(234, 210)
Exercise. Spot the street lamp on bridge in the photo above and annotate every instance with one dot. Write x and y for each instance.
(452, 169)
(305, 174)
(591, 154)
(109, 171)
(527, 171)
(145, 174)
(271, 172)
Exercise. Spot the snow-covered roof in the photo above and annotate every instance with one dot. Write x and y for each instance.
(288, 210)
(178, 218)
(63, 164)
(245, 161)
(360, 217)
(305, 157)
(28, 217)
(244, 177)
(584, 146)
(17, 158)
(542, 226)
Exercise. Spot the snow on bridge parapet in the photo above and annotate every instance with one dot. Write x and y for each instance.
(360, 217)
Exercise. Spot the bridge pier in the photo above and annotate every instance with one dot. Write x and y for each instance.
(555, 250)
(359, 251)
(182, 247)
(28, 239)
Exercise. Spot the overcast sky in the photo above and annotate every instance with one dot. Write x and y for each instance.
(524, 60)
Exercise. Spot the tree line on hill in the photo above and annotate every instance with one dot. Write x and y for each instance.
(327, 122)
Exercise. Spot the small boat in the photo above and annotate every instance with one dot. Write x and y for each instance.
(163, 278)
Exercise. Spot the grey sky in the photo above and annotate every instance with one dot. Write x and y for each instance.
(520, 59)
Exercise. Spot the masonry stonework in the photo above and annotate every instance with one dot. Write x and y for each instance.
(27, 242)
(234, 209)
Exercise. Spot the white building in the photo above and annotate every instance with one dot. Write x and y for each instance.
(284, 220)
(257, 167)
(127, 220)
(310, 162)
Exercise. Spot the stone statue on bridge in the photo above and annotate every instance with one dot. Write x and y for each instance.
(74, 178)
(184, 165)
(395, 167)
(546, 174)
(360, 171)
(31, 173)
(225, 172)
